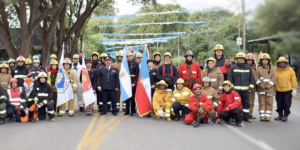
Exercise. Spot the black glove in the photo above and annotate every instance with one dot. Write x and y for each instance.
(23, 113)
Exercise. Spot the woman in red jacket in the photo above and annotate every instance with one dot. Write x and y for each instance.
(200, 105)
(229, 105)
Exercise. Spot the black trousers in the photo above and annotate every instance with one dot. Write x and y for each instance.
(130, 103)
(109, 96)
(177, 107)
(284, 102)
(246, 103)
(236, 113)
(99, 100)
(42, 111)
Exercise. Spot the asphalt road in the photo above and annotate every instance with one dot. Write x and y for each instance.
(135, 133)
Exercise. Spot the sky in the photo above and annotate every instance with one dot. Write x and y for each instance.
(250, 5)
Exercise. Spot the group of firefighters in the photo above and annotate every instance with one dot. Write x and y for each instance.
(224, 90)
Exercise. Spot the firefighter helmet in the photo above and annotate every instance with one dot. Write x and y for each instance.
(129, 53)
(139, 55)
(3, 65)
(196, 86)
(219, 47)
(156, 53)
(54, 62)
(227, 83)
(189, 53)
(53, 56)
(180, 80)
(13, 80)
(206, 79)
(36, 57)
(161, 82)
(95, 53)
(11, 61)
(28, 61)
(168, 54)
(250, 56)
(67, 61)
(36, 60)
(119, 54)
(282, 59)
(265, 56)
(21, 58)
(42, 75)
(240, 55)
(103, 55)
(211, 59)
(75, 56)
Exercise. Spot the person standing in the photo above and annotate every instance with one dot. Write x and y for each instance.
(117, 64)
(226, 67)
(157, 60)
(95, 57)
(20, 72)
(134, 73)
(93, 77)
(215, 74)
(138, 58)
(153, 81)
(266, 80)
(251, 63)
(241, 77)
(99, 94)
(28, 63)
(4, 76)
(108, 83)
(286, 88)
(73, 82)
(76, 67)
(35, 70)
(189, 71)
(52, 57)
(11, 64)
(52, 74)
(167, 71)
(219, 55)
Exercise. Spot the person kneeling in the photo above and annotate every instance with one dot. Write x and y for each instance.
(162, 100)
(229, 105)
(200, 105)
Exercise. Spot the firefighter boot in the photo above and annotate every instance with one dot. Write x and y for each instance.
(177, 117)
(2, 121)
(11, 119)
(252, 117)
(285, 118)
(262, 119)
(278, 118)
(197, 122)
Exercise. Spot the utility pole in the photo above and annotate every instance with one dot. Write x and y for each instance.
(244, 26)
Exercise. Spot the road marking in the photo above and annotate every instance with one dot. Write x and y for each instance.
(100, 138)
(88, 131)
(260, 144)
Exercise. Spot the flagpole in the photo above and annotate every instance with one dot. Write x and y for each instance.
(178, 51)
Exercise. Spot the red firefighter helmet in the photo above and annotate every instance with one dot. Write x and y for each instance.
(21, 58)
(196, 86)
(250, 56)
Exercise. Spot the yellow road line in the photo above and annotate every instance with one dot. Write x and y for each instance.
(98, 140)
(87, 132)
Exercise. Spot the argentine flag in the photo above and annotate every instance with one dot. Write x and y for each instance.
(125, 79)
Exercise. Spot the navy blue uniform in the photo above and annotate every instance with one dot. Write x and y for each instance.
(93, 78)
(153, 80)
(134, 74)
(108, 81)
(99, 93)
(168, 73)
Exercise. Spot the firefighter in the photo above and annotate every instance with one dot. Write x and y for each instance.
(229, 105)
(28, 62)
(138, 58)
(52, 58)
(11, 63)
(286, 88)
(219, 55)
(200, 105)
(43, 94)
(35, 70)
(99, 96)
(108, 83)
(77, 67)
(4, 103)
(162, 101)
(250, 61)
(212, 94)
(225, 67)
(117, 64)
(95, 57)
(180, 100)
(167, 71)
(215, 74)
(189, 71)
(52, 74)
(157, 60)
(266, 79)
(153, 81)
(20, 72)
(17, 98)
(134, 73)
(4, 76)
(93, 77)
(73, 82)
(241, 77)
